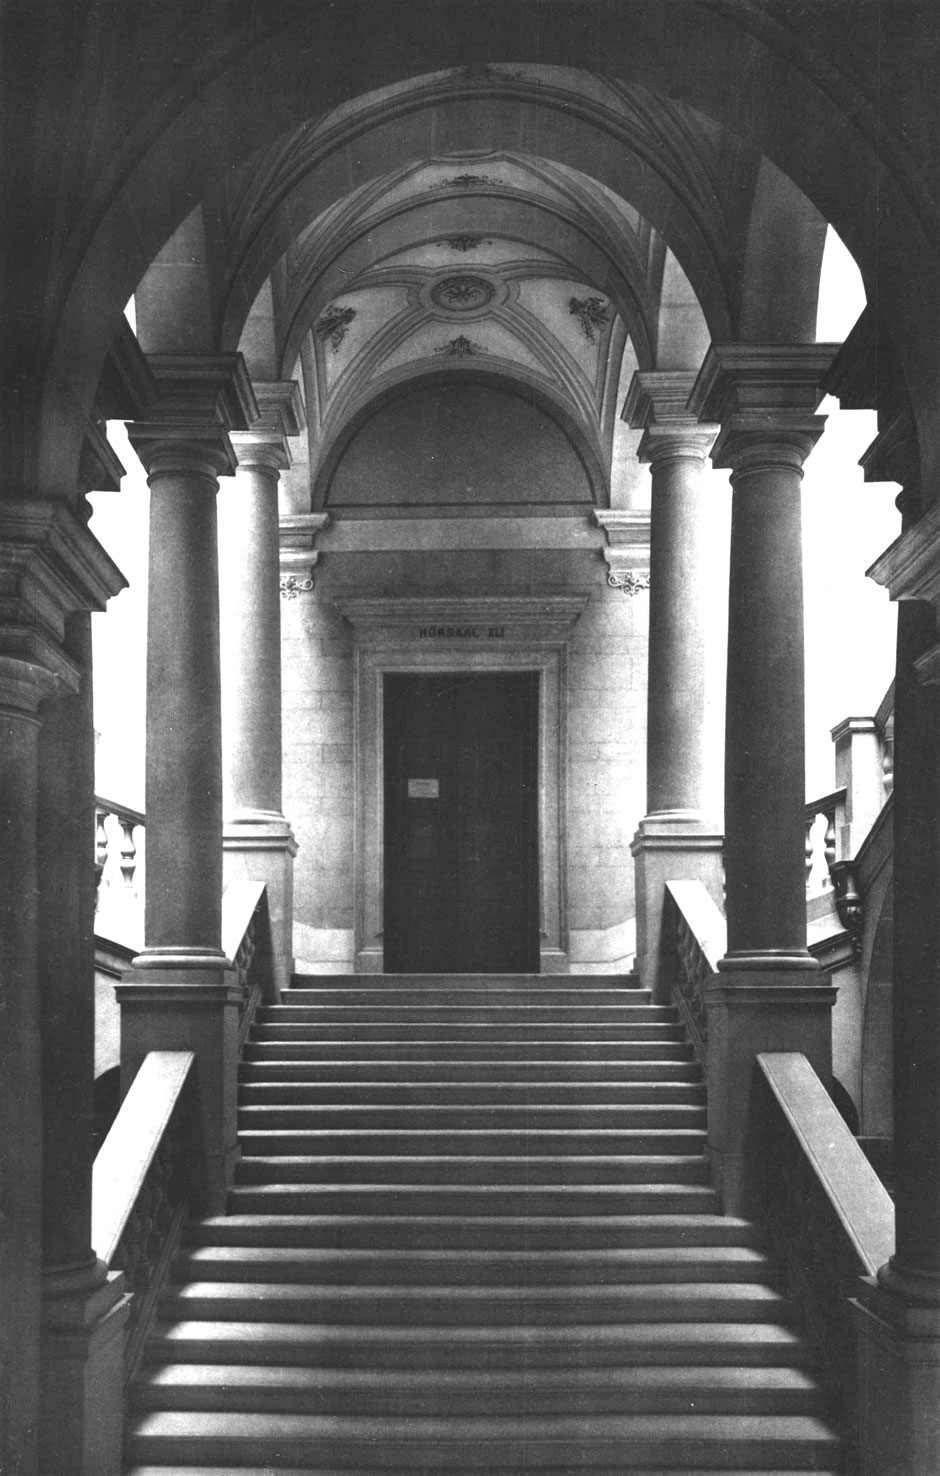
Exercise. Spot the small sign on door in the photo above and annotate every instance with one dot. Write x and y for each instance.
(424, 788)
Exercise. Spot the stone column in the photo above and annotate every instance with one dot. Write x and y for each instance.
(675, 840)
(63, 1316)
(258, 843)
(769, 994)
(181, 993)
(899, 1315)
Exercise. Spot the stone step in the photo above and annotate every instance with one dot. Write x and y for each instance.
(459, 1030)
(473, 1305)
(272, 1076)
(360, 1048)
(496, 1015)
(361, 1470)
(561, 1080)
(491, 1170)
(399, 1267)
(436, 1393)
(474, 1347)
(431, 982)
(630, 1121)
(497, 1232)
(483, 1139)
(742, 1442)
(471, 1200)
(498, 995)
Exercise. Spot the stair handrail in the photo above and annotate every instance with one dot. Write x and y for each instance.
(246, 940)
(693, 920)
(138, 1188)
(828, 1217)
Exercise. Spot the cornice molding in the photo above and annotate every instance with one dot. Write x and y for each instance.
(627, 551)
(298, 534)
(50, 567)
(910, 568)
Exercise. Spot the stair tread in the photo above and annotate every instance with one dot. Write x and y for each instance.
(272, 1292)
(729, 1334)
(690, 1377)
(693, 1255)
(204, 1424)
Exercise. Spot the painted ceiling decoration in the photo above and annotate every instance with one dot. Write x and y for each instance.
(600, 228)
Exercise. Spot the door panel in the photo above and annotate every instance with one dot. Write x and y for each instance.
(461, 823)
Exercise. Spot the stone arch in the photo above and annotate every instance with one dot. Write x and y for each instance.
(735, 64)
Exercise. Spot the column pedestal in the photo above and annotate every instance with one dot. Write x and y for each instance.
(190, 1008)
(899, 1377)
(750, 1011)
(262, 848)
(669, 848)
(81, 1414)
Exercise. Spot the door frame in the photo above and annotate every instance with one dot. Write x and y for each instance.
(534, 638)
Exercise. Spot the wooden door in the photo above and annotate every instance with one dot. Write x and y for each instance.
(461, 823)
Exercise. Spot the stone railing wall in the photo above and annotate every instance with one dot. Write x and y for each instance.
(829, 1218)
(139, 1190)
(697, 927)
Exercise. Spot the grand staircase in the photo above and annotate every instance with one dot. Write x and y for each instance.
(473, 1230)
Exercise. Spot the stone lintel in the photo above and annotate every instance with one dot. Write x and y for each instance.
(764, 397)
(910, 569)
(536, 619)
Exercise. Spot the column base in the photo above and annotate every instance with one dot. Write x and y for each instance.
(673, 846)
(898, 1325)
(84, 1321)
(259, 846)
(770, 1007)
(190, 1009)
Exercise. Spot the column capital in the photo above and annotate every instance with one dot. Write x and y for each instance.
(658, 404)
(281, 414)
(198, 400)
(298, 535)
(764, 397)
(50, 567)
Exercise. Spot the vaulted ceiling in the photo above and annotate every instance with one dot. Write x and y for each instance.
(533, 227)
